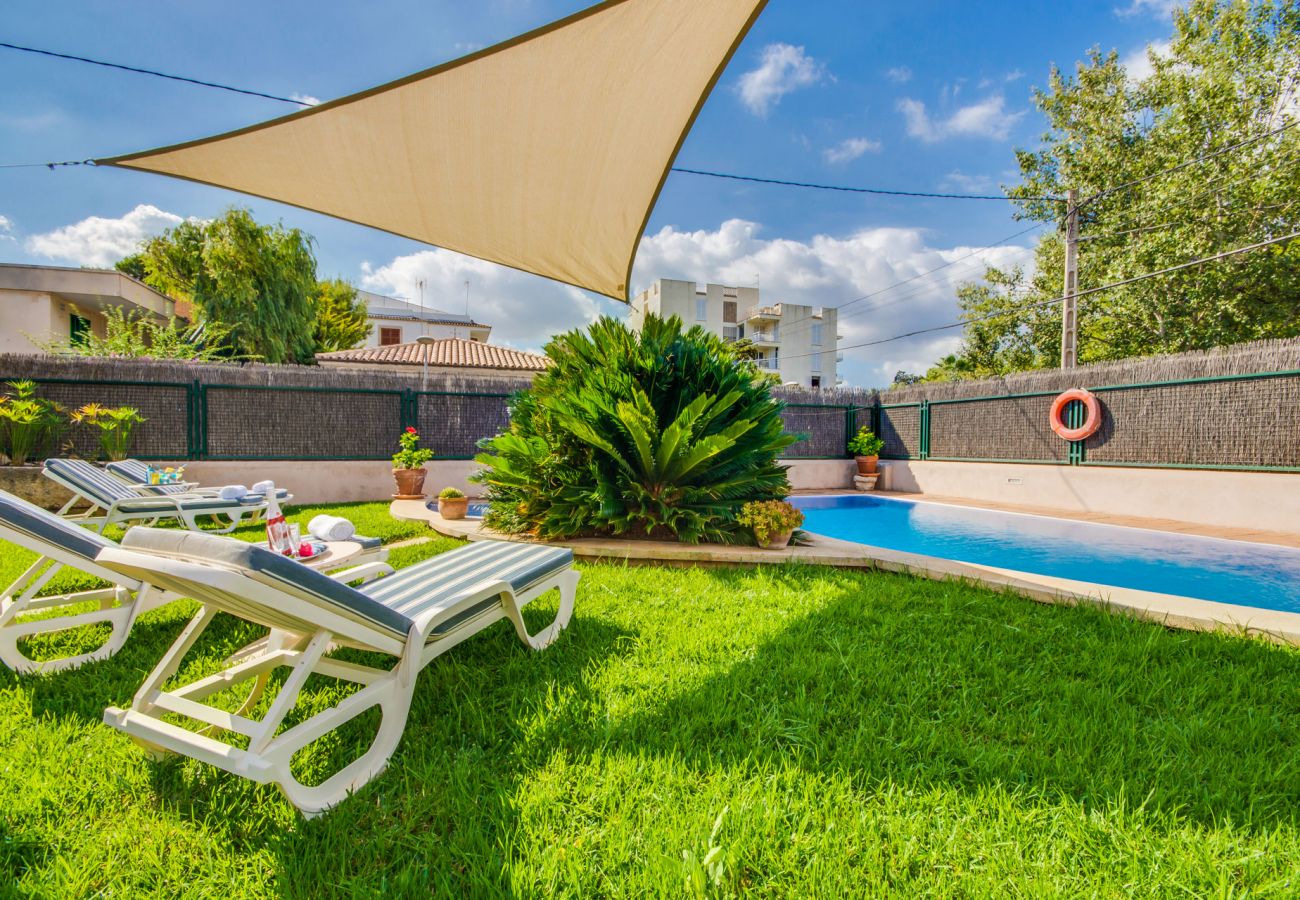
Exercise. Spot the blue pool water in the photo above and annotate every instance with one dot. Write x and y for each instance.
(1248, 574)
(473, 510)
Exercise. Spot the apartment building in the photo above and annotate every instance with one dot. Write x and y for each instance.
(796, 341)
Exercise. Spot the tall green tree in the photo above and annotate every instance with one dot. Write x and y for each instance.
(256, 282)
(1231, 74)
(341, 321)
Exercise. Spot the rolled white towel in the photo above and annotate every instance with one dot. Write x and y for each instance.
(331, 528)
(263, 487)
(233, 492)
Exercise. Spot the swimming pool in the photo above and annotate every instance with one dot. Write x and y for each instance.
(1247, 574)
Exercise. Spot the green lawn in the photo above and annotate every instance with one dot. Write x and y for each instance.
(787, 731)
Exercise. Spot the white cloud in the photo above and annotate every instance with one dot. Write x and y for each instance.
(850, 149)
(101, 242)
(784, 68)
(305, 98)
(39, 121)
(1137, 63)
(899, 74)
(831, 270)
(1161, 9)
(523, 310)
(6, 228)
(988, 118)
(967, 184)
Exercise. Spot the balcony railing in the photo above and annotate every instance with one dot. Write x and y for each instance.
(763, 312)
(763, 337)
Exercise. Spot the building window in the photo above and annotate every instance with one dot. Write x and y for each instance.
(729, 311)
(816, 382)
(817, 334)
(701, 309)
(389, 336)
(78, 330)
(730, 333)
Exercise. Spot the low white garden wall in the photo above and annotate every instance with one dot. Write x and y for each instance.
(1267, 501)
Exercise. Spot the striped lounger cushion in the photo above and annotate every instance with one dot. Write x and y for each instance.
(390, 603)
(45, 527)
(105, 489)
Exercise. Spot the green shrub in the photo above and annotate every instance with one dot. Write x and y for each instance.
(662, 434)
(30, 426)
(769, 517)
(450, 493)
(116, 427)
(865, 443)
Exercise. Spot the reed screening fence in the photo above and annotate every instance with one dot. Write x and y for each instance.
(1238, 408)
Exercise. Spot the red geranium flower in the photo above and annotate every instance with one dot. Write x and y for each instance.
(410, 429)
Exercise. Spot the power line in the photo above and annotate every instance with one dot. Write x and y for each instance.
(1077, 295)
(858, 190)
(682, 170)
(156, 74)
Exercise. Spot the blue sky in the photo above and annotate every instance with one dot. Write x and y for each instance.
(923, 95)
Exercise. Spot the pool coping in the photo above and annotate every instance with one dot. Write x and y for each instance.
(1169, 610)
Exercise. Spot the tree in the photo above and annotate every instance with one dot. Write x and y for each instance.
(1231, 74)
(341, 321)
(256, 282)
(133, 265)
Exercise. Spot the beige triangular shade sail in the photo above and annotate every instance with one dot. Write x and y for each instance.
(545, 153)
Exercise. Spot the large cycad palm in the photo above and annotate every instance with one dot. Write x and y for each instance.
(661, 433)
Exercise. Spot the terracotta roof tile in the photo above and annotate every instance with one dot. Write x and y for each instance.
(445, 352)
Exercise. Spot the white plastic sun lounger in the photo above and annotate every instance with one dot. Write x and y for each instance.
(415, 616)
(136, 473)
(58, 543)
(122, 502)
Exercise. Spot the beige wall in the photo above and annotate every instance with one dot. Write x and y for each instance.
(33, 313)
(821, 474)
(331, 481)
(340, 481)
(1254, 500)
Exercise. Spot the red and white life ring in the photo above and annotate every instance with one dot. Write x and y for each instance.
(1091, 422)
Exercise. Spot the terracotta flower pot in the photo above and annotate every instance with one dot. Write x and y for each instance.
(779, 540)
(410, 483)
(866, 464)
(453, 507)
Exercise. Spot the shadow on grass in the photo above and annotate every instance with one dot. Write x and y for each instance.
(962, 687)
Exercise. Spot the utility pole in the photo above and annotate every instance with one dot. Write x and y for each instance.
(1069, 305)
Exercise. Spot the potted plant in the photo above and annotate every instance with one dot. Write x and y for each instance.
(116, 427)
(772, 521)
(866, 447)
(408, 466)
(452, 504)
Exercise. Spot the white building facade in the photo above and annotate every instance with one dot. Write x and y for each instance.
(796, 341)
(395, 321)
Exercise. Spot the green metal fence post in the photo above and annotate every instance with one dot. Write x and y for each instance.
(925, 429)
(201, 423)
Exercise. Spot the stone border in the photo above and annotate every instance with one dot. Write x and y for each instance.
(1164, 609)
